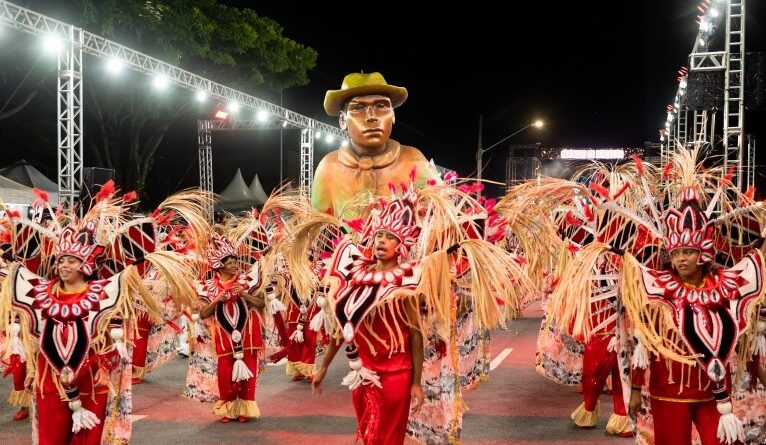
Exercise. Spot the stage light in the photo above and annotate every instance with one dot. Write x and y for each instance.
(714, 13)
(704, 26)
(539, 124)
(702, 42)
(201, 96)
(233, 106)
(53, 44)
(329, 139)
(160, 81)
(262, 116)
(114, 65)
(318, 135)
(284, 124)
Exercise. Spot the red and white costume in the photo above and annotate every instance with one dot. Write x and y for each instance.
(236, 334)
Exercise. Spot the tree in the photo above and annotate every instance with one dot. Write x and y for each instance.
(229, 45)
(125, 121)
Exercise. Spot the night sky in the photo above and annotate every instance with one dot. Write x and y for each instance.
(599, 74)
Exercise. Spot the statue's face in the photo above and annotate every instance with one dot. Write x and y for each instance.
(368, 120)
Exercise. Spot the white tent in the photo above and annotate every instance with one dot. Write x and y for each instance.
(236, 195)
(11, 192)
(257, 191)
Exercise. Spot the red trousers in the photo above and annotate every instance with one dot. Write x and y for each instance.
(391, 412)
(55, 420)
(19, 375)
(140, 344)
(598, 363)
(305, 351)
(230, 391)
(673, 422)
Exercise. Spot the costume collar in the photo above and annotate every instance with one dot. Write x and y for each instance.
(350, 159)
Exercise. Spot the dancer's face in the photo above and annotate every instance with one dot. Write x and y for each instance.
(231, 266)
(685, 263)
(385, 246)
(69, 269)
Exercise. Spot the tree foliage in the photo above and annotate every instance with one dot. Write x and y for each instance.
(126, 121)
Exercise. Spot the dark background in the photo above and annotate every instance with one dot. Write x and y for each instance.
(598, 73)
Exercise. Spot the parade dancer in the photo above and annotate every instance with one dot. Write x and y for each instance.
(382, 301)
(687, 319)
(78, 324)
(232, 298)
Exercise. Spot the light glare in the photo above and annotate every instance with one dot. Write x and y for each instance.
(53, 44)
(160, 82)
(114, 65)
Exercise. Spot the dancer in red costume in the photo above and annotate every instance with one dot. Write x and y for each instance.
(687, 319)
(382, 300)
(231, 297)
(76, 323)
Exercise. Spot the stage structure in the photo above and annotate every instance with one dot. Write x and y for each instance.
(715, 79)
(205, 128)
(76, 41)
(530, 161)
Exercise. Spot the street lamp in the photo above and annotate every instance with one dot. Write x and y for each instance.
(480, 151)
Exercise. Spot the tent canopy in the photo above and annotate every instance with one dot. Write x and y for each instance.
(24, 173)
(11, 192)
(256, 189)
(236, 195)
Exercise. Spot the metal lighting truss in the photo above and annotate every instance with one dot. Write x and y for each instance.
(69, 115)
(307, 160)
(78, 41)
(205, 153)
(732, 62)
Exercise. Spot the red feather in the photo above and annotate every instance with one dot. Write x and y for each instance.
(130, 196)
(106, 191)
(42, 195)
(750, 193)
(13, 214)
(600, 189)
(450, 176)
(666, 171)
(413, 173)
(572, 248)
(639, 164)
(431, 182)
(622, 190)
(357, 225)
(729, 174)
(5, 237)
(329, 211)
